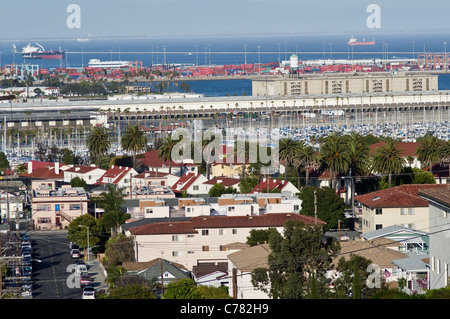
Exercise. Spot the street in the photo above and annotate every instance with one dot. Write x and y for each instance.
(50, 276)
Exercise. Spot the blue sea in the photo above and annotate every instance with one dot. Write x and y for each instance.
(230, 50)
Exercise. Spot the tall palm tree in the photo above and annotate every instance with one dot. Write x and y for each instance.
(444, 155)
(358, 152)
(334, 156)
(305, 157)
(133, 140)
(165, 150)
(98, 142)
(287, 150)
(427, 152)
(389, 160)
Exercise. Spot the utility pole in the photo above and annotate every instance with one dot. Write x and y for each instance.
(315, 207)
(235, 294)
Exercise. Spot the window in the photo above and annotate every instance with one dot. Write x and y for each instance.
(43, 207)
(234, 231)
(176, 238)
(44, 220)
(296, 207)
(175, 253)
(74, 206)
(221, 232)
(205, 232)
(222, 248)
(231, 208)
(195, 187)
(149, 210)
(190, 236)
(378, 211)
(378, 226)
(205, 248)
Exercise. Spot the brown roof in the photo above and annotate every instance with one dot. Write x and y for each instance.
(407, 148)
(266, 220)
(440, 195)
(251, 258)
(375, 250)
(204, 269)
(400, 196)
(225, 181)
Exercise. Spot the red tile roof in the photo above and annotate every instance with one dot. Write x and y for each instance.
(44, 173)
(82, 169)
(255, 221)
(151, 159)
(114, 172)
(409, 148)
(185, 182)
(225, 181)
(271, 184)
(399, 196)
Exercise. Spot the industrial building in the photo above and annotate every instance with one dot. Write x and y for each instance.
(327, 83)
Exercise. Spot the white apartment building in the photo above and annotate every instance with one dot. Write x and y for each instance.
(201, 238)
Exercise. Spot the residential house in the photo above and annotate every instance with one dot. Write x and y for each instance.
(378, 250)
(44, 171)
(408, 150)
(410, 240)
(154, 178)
(213, 274)
(439, 207)
(152, 161)
(55, 208)
(440, 173)
(203, 237)
(120, 176)
(400, 205)
(192, 184)
(240, 267)
(232, 170)
(270, 184)
(415, 270)
(11, 206)
(161, 270)
(90, 174)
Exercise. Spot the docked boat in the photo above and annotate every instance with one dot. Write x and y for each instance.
(39, 53)
(354, 41)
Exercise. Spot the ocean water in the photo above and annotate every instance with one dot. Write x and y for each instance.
(231, 50)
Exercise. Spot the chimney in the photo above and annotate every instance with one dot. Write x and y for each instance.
(30, 167)
(57, 168)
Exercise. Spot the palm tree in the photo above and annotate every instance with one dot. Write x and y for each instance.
(388, 160)
(334, 156)
(358, 152)
(305, 156)
(287, 150)
(133, 140)
(98, 142)
(444, 155)
(165, 151)
(427, 152)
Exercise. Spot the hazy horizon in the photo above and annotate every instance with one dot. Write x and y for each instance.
(45, 19)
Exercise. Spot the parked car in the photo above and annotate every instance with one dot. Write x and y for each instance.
(88, 293)
(73, 245)
(75, 253)
(80, 269)
(85, 280)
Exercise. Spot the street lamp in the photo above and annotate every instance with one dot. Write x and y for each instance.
(87, 229)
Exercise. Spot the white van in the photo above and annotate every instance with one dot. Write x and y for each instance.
(80, 269)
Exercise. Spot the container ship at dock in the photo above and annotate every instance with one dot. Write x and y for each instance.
(39, 53)
(354, 41)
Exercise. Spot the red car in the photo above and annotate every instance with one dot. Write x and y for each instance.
(85, 280)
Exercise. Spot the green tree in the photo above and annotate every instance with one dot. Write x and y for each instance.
(98, 142)
(330, 207)
(247, 184)
(118, 249)
(334, 156)
(304, 157)
(259, 236)
(210, 292)
(218, 189)
(134, 140)
(78, 182)
(287, 151)
(111, 202)
(182, 289)
(78, 234)
(444, 155)
(294, 257)
(165, 151)
(388, 159)
(133, 291)
(4, 163)
(428, 150)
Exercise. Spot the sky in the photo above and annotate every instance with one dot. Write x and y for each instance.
(37, 19)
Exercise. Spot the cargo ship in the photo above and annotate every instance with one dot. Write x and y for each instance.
(39, 53)
(354, 41)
